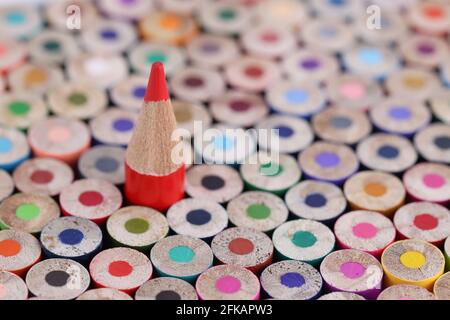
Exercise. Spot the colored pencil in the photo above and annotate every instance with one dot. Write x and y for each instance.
(104, 294)
(13, 287)
(243, 247)
(228, 282)
(166, 288)
(150, 170)
(291, 280)
(18, 251)
(412, 262)
(405, 292)
(123, 269)
(61, 279)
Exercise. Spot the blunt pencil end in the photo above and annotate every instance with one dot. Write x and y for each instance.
(157, 87)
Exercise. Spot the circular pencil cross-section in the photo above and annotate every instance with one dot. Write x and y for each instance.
(141, 59)
(93, 199)
(168, 27)
(129, 93)
(198, 218)
(27, 212)
(102, 70)
(400, 116)
(367, 231)
(441, 287)
(228, 282)
(386, 152)
(104, 294)
(258, 210)
(166, 288)
(291, 280)
(354, 92)
(316, 200)
(428, 182)
(309, 65)
(37, 79)
(328, 35)
(71, 238)
(113, 127)
(433, 143)
(220, 183)
(405, 292)
(287, 12)
(51, 47)
(6, 185)
(375, 62)
(224, 18)
(252, 74)
(61, 279)
(103, 162)
(276, 175)
(423, 220)
(375, 191)
(197, 84)
(341, 296)
(18, 251)
(14, 148)
(341, 125)
(12, 287)
(181, 257)
(293, 134)
(212, 50)
(328, 162)
(243, 247)
(20, 22)
(430, 17)
(240, 109)
(21, 109)
(60, 138)
(270, 41)
(305, 240)
(137, 227)
(415, 84)
(412, 262)
(352, 271)
(295, 99)
(188, 114)
(109, 36)
(77, 100)
(44, 176)
(123, 269)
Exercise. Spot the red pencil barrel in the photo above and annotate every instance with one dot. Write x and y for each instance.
(157, 192)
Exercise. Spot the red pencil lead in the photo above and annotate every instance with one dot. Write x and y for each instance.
(157, 87)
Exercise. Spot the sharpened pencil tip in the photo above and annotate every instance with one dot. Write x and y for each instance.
(157, 87)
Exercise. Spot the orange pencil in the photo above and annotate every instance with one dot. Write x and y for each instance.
(152, 178)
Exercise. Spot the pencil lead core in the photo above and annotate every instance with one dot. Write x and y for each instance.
(157, 87)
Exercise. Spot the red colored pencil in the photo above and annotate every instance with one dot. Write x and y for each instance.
(152, 178)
